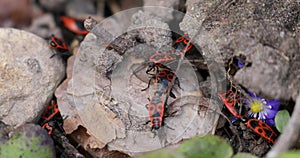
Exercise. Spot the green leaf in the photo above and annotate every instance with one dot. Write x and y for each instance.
(281, 119)
(162, 154)
(206, 147)
(28, 141)
(290, 154)
(244, 155)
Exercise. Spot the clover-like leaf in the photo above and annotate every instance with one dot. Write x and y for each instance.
(290, 154)
(28, 141)
(244, 155)
(163, 154)
(281, 119)
(206, 147)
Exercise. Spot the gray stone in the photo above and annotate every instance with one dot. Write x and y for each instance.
(80, 8)
(28, 76)
(172, 4)
(44, 26)
(150, 28)
(105, 88)
(54, 5)
(263, 31)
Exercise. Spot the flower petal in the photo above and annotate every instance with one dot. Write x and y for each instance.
(270, 122)
(271, 113)
(233, 119)
(252, 95)
(240, 64)
(248, 102)
(274, 103)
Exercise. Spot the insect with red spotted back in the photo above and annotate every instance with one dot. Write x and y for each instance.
(257, 126)
(161, 57)
(158, 58)
(50, 118)
(162, 78)
(182, 45)
(231, 100)
(262, 129)
(73, 25)
(156, 109)
(157, 105)
(48, 115)
(60, 46)
(51, 111)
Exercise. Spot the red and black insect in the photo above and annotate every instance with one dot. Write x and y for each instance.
(156, 59)
(60, 46)
(51, 118)
(49, 126)
(182, 45)
(51, 111)
(257, 126)
(157, 105)
(262, 129)
(156, 109)
(161, 57)
(162, 77)
(74, 25)
(231, 101)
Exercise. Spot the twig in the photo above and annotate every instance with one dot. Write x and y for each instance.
(68, 149)
(289, 135)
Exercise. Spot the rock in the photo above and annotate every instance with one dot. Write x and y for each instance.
(28, 76)
(80, 8)
(157, 33)
(90, 23)
(15, 13)
(66, 107)
(44, 26)
(274, 72)
(106, 93)
(56, 6)
(169, 3)
(263, 31)
(172, 4)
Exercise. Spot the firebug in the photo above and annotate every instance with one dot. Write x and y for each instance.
(74, 25)
(182, 45)
(60, 46)
(257, 126)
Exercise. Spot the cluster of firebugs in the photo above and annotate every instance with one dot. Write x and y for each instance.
(163, 77)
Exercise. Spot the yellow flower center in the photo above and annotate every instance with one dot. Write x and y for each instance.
(256, 106)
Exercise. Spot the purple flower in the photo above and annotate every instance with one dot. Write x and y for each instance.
(261, 108)
(240, 64)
